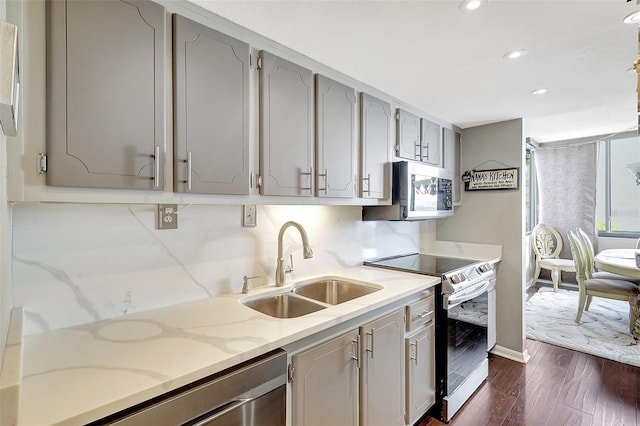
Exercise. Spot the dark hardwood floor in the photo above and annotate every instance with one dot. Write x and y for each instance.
(556, 387)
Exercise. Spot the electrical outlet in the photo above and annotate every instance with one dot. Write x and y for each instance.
(167, 216)
(249, 215)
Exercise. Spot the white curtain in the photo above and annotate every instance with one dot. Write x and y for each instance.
(567, 189)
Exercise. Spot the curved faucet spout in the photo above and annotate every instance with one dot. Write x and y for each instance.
(306, 250)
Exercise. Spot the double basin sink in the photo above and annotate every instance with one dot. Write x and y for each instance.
(310, 296)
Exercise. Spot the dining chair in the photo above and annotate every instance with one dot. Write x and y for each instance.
(547, 244)
(600, 287)
(589, 254)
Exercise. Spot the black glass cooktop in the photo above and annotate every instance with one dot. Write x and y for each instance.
(421, 263)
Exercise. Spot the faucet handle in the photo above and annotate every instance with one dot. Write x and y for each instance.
(289, 268)
(246, 287)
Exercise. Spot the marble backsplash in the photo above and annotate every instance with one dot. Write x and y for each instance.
(78, 263)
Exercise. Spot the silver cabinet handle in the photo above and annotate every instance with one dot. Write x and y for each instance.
(326, 181)
(156, 159)
(189, 171)
(418, 146)
(368, 179)
(372, 348)
(355, 355)
(310, 174)
(411, 357)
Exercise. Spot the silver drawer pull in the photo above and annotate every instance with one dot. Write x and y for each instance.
(423, 315)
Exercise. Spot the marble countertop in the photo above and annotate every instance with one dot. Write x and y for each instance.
(80, 374)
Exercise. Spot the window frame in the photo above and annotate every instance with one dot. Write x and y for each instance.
(607, 193)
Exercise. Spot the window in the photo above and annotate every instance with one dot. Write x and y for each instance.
(617, 195)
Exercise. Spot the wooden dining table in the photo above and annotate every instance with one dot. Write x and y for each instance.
(619, 261)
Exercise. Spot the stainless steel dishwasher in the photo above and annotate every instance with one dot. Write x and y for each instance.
(253, 393)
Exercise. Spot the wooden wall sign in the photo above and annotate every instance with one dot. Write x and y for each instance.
(481, 180)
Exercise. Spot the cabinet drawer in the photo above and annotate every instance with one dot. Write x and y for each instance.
(420, 312)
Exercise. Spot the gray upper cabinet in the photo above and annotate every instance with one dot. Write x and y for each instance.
(211, 107)
(286, 127)
(408, 135)
(451, 159)
(336, 145)
(105, 94)
(375, 149)
(431, 150)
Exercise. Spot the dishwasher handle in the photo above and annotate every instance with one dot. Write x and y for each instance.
(221, 411)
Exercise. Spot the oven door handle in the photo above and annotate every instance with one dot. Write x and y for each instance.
(457, 298)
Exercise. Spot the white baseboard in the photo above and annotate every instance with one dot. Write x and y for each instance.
(521, 357)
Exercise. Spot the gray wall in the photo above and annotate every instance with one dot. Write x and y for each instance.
(495, 217)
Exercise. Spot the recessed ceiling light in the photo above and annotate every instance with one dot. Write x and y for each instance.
(514, 54)
(632, 18)
(540, 91)
(471, 4)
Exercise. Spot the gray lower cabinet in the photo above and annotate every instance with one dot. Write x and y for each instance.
(336, 145)
(106, 94)
(211, 110)
(381, 378)
(286, 127)
(355, 378)
(431, 149)
(408, 135)
(324, 390)
(375, 147)
(420, 372)
(451, 159)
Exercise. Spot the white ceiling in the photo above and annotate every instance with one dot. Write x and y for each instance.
(449, 62)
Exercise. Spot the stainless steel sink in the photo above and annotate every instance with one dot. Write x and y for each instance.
(333, 291)
(285, 305)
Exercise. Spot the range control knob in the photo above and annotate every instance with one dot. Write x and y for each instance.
(485, 267)
(457, 278)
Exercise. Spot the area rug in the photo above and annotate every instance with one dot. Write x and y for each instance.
(603, 330)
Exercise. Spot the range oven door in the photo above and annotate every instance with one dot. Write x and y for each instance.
(468, 326)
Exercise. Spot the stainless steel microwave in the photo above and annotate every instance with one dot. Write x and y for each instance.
(419, 192)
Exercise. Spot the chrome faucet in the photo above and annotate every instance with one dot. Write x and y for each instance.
(307, 253)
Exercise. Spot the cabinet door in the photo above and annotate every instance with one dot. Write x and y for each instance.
(421, 370)
(286, 127)
(211, 107)
(382, 376)
(336, 146)
(105, 94)
(375, 149)
(431, 143)
(451, 159)
(324, 389)
(408, 135)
